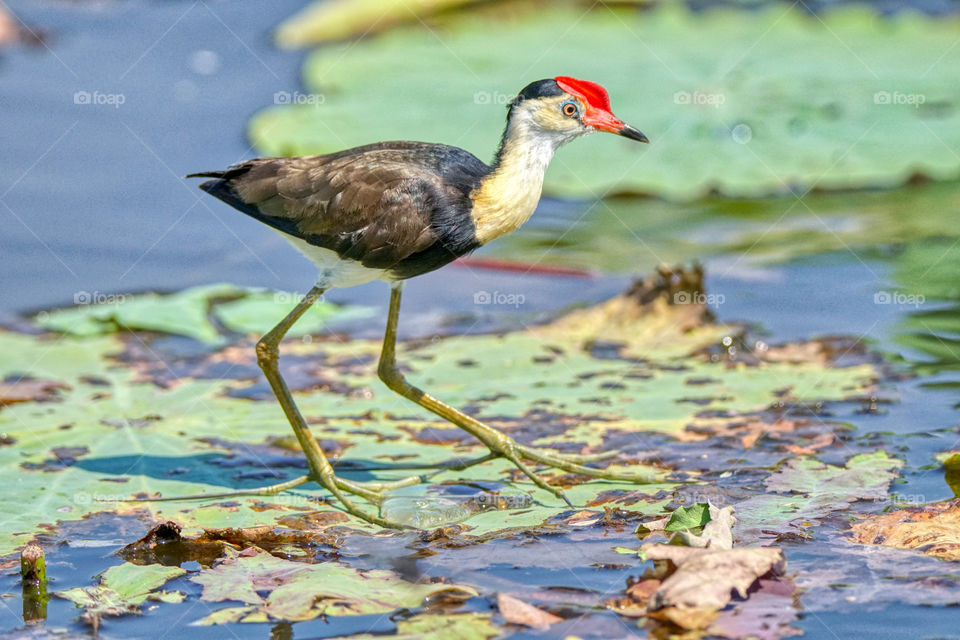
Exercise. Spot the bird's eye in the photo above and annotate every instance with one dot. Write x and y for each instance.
(570, 109)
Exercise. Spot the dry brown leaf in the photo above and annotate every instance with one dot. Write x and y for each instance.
(707, 577)
(634, 603)
(798, 353)
(818, 442)
(933, 528)
(687, 617)
(749, 431)
(9, 30)
(765, 616)
(583, 518)
(641, 591)
(750, 439)
(516, 611)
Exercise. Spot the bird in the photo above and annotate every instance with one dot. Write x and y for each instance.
(395, 210)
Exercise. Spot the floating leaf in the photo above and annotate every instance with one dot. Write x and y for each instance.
(184, 313)
(287, 590)
(716, 534)
(122, 589)
(816, 489)
(722, 115)
(258, 311)
(865, 477)
(188, 313)
(337, 19)
(764, 616)
(690, 586)
(551, 389)
(432, 626)
(932, 529)
(704, 581)
(516, 611)
(691, 517)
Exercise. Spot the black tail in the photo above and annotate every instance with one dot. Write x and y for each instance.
(222, 187)
(230, 172)
(206, 174)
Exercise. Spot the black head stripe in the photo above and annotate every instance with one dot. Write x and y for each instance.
(539, 89)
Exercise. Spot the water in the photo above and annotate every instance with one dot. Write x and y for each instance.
(92, 201)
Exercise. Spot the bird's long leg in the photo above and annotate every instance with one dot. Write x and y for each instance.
(498, 442)
(321, 471)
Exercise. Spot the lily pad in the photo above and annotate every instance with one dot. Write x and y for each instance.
(197, 437)
(338, 19)
(258, 311)
(815, 490)
(273, 588)
(184, 313)
(432, 626)
(723, 116)
(191, 312)
(122, 590)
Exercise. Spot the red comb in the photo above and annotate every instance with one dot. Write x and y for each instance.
(595, 95)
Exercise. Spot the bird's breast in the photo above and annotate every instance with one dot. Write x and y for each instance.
(335, 271)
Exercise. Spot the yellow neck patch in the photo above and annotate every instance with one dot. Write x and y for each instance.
(509, 195)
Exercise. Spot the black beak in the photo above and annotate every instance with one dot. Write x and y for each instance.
(633, 134)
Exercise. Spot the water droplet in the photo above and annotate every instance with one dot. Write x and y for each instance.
(741, 134)
(205, 62)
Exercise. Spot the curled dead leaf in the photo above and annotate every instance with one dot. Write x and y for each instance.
(709, 578)
(516, 611)
(933, 529)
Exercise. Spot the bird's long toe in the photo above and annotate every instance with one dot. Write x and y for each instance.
(573, 464)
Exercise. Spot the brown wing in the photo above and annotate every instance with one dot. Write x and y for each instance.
(375, 204)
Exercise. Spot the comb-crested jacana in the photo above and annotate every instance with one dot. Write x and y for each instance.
(393, 210)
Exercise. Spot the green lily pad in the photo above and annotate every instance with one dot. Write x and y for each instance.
(337, 19)
(280, 589)
(131, 437)
(927, 287)
(814, 489)
(183, 313)
(431, 626)
(258, 311)
(189, 313)
(123, 589)
(723, 115)
(761, 234)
